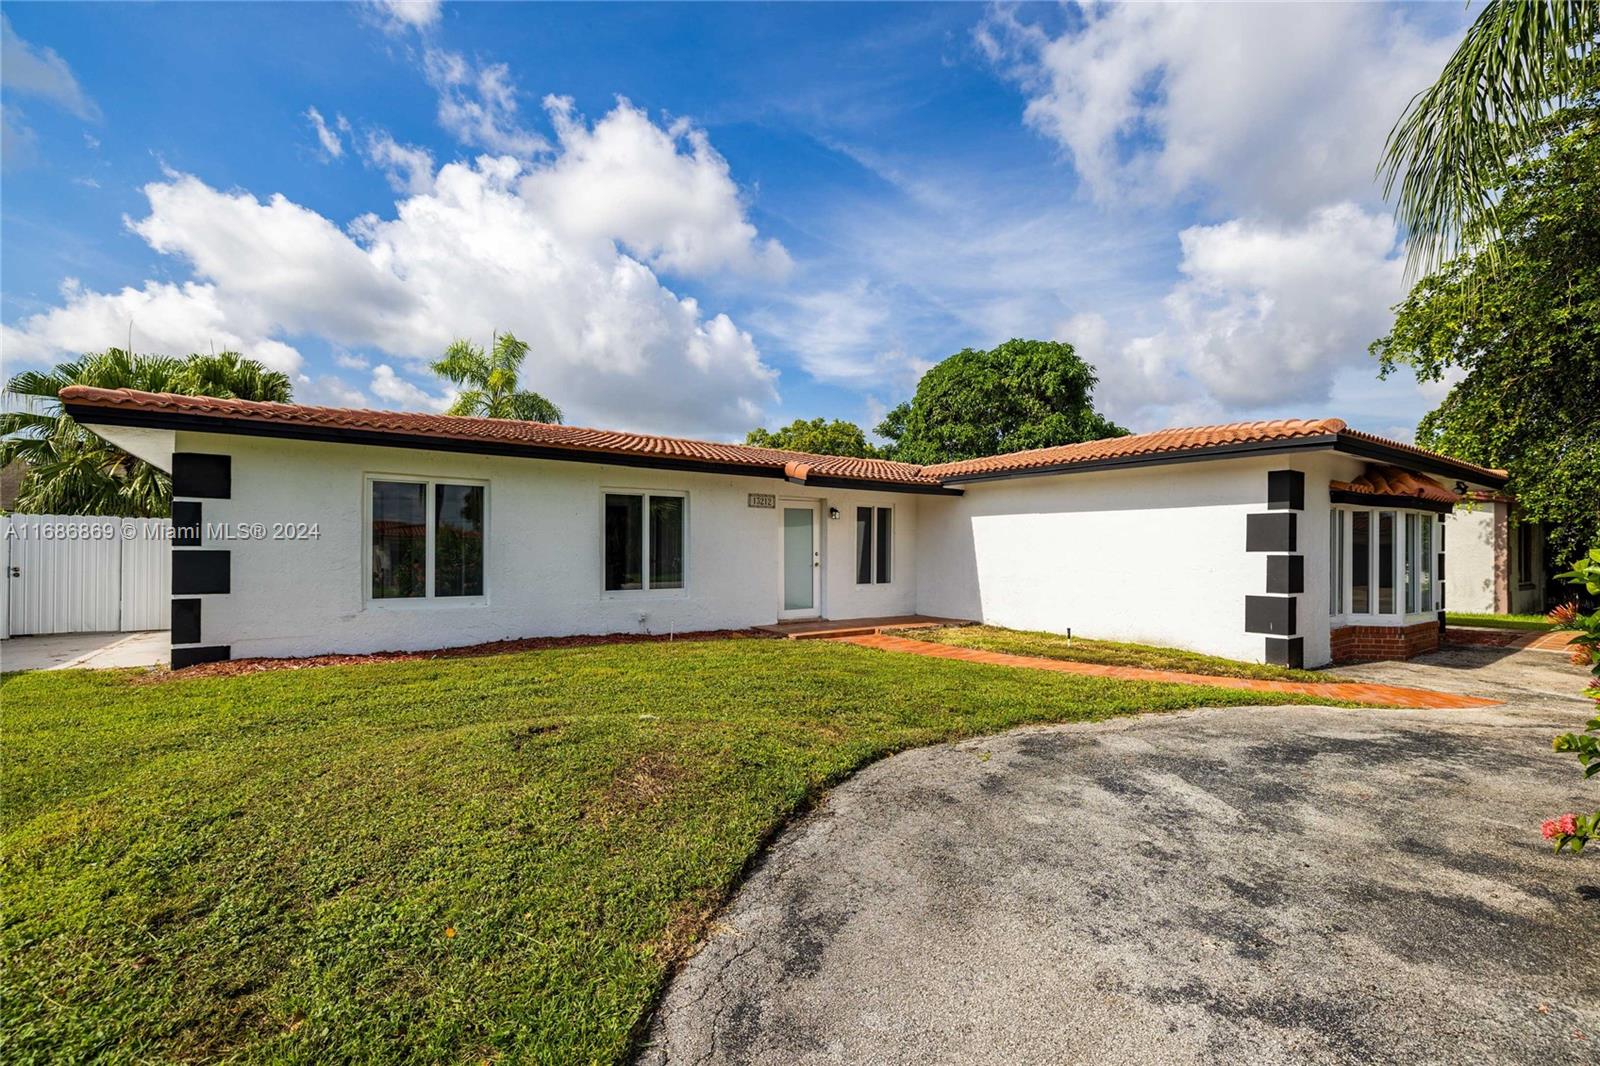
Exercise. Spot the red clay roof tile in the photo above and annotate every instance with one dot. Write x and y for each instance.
(1392, 481)
(543, 437)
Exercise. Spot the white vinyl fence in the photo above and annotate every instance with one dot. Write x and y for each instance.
(85, 574)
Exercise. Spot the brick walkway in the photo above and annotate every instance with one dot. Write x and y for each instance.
(1381, 695)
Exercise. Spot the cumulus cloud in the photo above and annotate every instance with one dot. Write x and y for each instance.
(408, 168)
(1265, 313)
(478, 104)
(665, 193)
(390, 386)
(328, 136)
(397, 16)
(489, 245)
(844, 336)
(1257, 107)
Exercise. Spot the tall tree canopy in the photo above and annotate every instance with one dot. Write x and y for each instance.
(1519, 59)
(817, 436)
(489, 381)
(1525, 330)
(1023, 394)
(72, 471)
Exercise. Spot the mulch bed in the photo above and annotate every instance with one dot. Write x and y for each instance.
(235, 667)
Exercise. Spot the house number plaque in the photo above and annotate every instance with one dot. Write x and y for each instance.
(762, 499)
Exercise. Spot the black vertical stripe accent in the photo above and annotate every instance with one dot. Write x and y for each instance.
(1286, 573)
(198, 571)
(1270, 614)
(1271, 532)
(1286, 490)
(202, 474)
(214, 653)
(1287, 651)
(186, 519)
(185, 621)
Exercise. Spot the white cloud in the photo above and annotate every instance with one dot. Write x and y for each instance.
(478, 104)
(34, 71)
(1273, 108)
(397, 16)
(485, 248)
(327, 136)
(1265, 314)
(350, 361)
(665, 193)
(845, 336)
(408, 168)
(328, 390)
(388, 385)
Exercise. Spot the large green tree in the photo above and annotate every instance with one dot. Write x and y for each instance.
(72, 471)
(1524, 330)
(1023, 394)
(818, 436)
(1518, 61)
(489, 381)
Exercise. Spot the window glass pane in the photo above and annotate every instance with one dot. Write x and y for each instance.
(863, 545)
(885, 540)
(1335, 561)
(624, 565)
(458, 540)
(1425, 564)
(1386, 562)
(399, 540)
(1361, 562)
(666, 542)
(799, 558)
(1411, 563)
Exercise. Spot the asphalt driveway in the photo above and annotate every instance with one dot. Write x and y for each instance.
(1237, 885)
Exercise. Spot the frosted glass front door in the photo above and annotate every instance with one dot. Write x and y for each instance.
(799, 555)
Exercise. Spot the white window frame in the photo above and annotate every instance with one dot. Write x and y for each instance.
(644, 546)
(428, 599)
(1407, 557)
(872, 547)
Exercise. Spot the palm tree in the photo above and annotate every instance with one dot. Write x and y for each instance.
(72, 471)
(489, 381)
(1518, 60)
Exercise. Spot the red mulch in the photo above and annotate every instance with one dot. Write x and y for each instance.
(235, 667)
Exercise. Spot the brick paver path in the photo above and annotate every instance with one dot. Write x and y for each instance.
(1359, 692)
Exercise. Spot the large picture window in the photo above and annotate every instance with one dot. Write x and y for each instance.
(644, 541)
(874, 545)
(426, 539)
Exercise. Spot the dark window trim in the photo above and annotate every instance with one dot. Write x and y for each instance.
(1388, 503)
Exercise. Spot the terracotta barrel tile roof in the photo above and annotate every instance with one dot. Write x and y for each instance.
(1392, 481)
(1161, 441)
(535, 435)
(542, 439)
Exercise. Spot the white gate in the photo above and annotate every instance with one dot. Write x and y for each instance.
(86, 574)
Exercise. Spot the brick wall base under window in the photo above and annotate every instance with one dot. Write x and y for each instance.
(1358, 644)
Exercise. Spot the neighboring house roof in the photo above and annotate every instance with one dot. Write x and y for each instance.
(541, 440)
(1392, 483)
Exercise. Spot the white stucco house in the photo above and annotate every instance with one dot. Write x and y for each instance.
(1498, 561)
(306, 530)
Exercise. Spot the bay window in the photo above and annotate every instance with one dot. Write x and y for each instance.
(425, 539)
(1381, 565)
(643, 541)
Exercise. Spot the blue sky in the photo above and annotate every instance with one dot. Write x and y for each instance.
(706, 217)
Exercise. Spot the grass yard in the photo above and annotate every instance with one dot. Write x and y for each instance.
(447, 860)
(1536, 622)
(1105, 652)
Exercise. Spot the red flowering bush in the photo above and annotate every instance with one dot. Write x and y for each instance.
(1576, 830)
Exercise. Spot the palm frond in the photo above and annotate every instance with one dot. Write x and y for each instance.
(1517, 60)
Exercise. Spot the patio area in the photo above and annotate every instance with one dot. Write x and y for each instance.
(86, 651)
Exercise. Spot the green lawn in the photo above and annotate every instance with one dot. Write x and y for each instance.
(429, 861)
(1499, 621)
(1105, 652)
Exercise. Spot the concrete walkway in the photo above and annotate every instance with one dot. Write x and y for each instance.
(87, 651)
(1269, 885)
(1355, 691)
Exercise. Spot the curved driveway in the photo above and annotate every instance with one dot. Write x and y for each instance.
(1263, 885)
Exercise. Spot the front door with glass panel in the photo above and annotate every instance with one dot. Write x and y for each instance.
(802, 562)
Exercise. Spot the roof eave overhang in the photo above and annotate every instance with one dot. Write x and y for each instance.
(1189, 455)
(1466, 473)
(1376, 499)
(94, 414)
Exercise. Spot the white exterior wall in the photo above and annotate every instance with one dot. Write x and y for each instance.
(1475, 557)
(543, 552)
(1152, 554)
